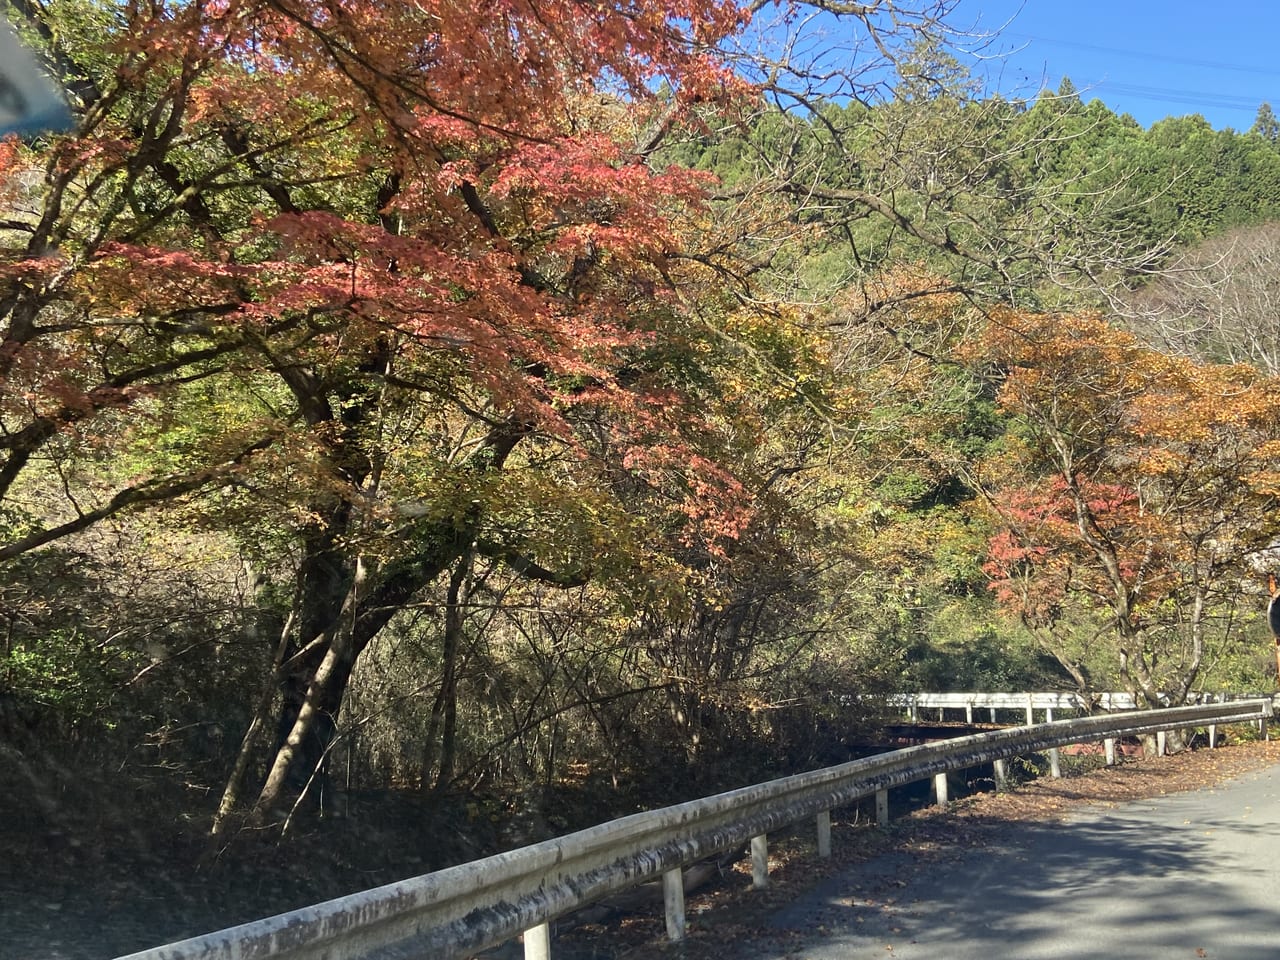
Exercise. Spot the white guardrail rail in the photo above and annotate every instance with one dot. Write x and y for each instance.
(1045, 702)
(453, 913)
(1014, 701)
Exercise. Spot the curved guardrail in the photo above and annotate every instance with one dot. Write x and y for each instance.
(455, 912)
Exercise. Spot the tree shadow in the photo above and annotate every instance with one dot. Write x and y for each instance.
(1169, 877)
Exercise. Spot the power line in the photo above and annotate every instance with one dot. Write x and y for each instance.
(1225, 101)
(1192, 98)
(1147, 55)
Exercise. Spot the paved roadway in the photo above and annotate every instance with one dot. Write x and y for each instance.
(1184, 876)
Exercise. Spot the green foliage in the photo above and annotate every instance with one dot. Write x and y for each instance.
(66, 675)
(1244, 652)
(959, 651)
(1040, 187)
(1265, 124)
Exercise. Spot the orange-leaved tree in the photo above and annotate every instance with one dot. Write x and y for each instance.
(348, 271)
(1133, 484)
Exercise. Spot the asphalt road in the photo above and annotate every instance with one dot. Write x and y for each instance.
(1184, 876)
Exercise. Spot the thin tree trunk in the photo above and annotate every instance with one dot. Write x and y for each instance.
(324, 588)
(235, 781)
(453, 624)
(340, 640)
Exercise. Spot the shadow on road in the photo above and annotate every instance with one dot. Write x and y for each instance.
(1192, 875)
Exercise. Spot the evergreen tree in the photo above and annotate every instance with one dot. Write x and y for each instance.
(1265, 124)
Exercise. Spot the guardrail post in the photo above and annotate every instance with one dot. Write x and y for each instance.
(1031, 714)
(882, 807)
(1160, 743)
(1001, 774)
(673, 901)
(968, 713)
(1109, 747)
(1213, 735)
(824, 833)
(1055, 766)
(760, 861)
(940, 788)
(537, 942)
(993, 714)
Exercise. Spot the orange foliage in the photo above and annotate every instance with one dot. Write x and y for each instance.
(309, 184)
(1144, 478)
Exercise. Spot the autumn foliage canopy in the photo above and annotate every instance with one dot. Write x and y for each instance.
(450, 198)
(1140, 481)
(393, 281)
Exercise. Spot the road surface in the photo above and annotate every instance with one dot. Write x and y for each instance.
(1189, 875)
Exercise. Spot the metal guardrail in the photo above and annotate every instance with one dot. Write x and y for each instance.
(1029, 703)
(452, 913)
(1015, 701)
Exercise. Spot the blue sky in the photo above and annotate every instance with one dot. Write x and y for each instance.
(1148, 59)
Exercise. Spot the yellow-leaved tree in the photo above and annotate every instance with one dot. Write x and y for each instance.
(1135, 486)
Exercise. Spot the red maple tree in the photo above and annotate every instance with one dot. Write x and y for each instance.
(353, 264)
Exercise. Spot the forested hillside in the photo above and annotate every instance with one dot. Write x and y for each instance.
(399, 400)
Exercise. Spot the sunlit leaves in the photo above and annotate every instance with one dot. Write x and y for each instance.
(1144, 481)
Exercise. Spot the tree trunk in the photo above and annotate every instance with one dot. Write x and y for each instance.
(313, 727)
(325, 580)
(448, 699)
(326, 665)
(249, 743)
(342, 607)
